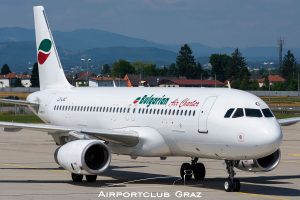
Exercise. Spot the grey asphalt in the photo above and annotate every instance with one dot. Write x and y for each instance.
(28, 171)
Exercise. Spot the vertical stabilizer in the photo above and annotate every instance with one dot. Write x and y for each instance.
(50, 70)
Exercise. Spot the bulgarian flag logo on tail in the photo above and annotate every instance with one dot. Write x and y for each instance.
(44, 50)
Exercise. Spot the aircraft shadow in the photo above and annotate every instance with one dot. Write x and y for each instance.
(265, 185)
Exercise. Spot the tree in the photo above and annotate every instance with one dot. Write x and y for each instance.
(185, 62)
(121, 68)
(105, 69)
(173, 70)
(237, 65)
(18, 83)
(288, 70)
(35, 80)
(219, 63)
(144, 69)
(5, 69)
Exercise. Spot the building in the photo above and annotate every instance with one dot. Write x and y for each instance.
(25, 80)
(107, 82)
(190, 83)
(272, 79)
(8, 80)
(134, 80)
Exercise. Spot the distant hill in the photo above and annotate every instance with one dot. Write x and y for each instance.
(17, 48)
(19, 55)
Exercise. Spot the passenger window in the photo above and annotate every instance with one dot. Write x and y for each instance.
(173, 113)
(143, 110)
(154, 111)
(228, 113)
(166, 111)
(253, 112)
(133, 111)
(190, 112)
(150, 111)
(267, 112)
(114, 109)
(177, 112)
(162, 111)
(170, 112)
(238, 113)
(194, 112)
(146, 111)
(181, 112)
(139, 110)
(185, 112)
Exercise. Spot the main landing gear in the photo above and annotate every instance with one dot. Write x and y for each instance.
(187, 170)
(231, 184)
(77, 178)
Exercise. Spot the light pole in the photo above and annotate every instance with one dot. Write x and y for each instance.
(87, 69)
(268, 64)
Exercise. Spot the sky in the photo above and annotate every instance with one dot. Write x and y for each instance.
(216, 23)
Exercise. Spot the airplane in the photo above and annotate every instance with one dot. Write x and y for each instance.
(90, 124)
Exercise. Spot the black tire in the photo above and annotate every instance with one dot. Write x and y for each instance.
(228, 185)
(199, 171)
(91, 178)
(186, 171)
(236, 185)
(77, 178)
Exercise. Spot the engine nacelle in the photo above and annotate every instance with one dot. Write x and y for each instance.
(264, 164)
(83, 156)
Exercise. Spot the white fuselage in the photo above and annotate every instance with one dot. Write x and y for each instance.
(170, 121)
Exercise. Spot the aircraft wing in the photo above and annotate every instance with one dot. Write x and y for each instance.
(128, 138)
(288, 121)
(18, 102)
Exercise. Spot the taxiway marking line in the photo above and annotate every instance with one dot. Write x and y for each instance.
(264, 196)
(294, 154)
(29, 167)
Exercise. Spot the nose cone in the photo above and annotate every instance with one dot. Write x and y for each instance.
(271, 137)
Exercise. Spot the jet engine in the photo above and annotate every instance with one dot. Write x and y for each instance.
(264, 164)
(83, 156)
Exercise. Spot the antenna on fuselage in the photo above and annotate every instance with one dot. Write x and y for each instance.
(228, 83)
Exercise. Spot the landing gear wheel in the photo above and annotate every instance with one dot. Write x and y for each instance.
(199, 171)
(228, 185)
(91, 178)
(77, 178)
(186, 171)
(231, 184)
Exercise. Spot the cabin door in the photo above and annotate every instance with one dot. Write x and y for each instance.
(204, 113)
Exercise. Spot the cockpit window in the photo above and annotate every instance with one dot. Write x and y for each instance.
(267, 112)
(238, 113)
(228, 113)
(250, 112)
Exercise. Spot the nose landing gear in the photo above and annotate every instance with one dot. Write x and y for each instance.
(231, 184)
(187, 170)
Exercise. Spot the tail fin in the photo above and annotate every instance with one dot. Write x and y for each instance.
(50, 70)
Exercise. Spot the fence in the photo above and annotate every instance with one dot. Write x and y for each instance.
(275, 93)
(20, 89)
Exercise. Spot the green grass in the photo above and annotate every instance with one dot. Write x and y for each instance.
(23, 118)
(285, 115)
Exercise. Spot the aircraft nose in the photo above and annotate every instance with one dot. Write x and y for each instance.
(272, 136)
